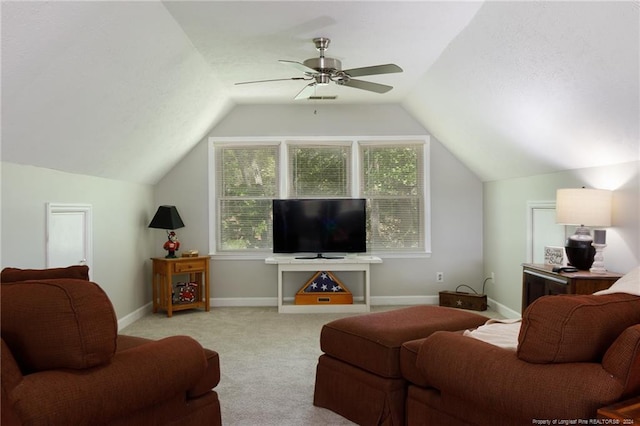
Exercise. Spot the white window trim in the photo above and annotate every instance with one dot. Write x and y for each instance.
(283, 142)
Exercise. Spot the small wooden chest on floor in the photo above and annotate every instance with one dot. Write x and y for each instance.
(324, 289)
(459, 299)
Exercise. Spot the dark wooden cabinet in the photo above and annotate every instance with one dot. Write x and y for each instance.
(625, 412)
(540, 280)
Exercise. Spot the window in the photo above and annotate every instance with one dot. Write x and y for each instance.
(390, 174)
(247, 181)
(393, 184)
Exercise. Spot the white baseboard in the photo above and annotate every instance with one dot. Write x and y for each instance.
(404, 300)
(503, 310)
(375, 301)
(435, 300)
(244, 301)
(273, 301)
(134, 316)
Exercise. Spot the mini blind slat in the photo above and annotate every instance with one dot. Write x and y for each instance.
(246, 183)
(392, 180)
(246, 224)
(247, 172)
(395, 224)
(319, 171)
(392, 171)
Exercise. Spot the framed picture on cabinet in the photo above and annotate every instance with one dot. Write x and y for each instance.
(554, 256)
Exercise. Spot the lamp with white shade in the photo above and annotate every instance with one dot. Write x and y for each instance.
(586, 208)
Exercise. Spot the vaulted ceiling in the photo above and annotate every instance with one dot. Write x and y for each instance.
(124, 89)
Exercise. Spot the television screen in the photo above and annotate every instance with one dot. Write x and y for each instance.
(319, 226)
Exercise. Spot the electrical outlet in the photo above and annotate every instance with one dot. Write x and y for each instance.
(440, 277)
(493, 277)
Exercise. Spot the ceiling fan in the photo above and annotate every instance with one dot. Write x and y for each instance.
(323, 70)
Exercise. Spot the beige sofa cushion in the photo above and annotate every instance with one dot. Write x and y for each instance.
(58, 323)
(629, 283)
(570, 328)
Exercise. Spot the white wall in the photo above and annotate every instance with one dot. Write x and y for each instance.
(456, 205)
(121, 240)
(505, 222)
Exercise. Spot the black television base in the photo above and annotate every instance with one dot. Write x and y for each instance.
(320, 256)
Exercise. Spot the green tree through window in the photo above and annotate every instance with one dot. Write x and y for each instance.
(319, 171)
(247, 184)
(392, 183)
(390, 175)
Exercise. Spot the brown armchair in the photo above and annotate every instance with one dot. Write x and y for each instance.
(64, 363)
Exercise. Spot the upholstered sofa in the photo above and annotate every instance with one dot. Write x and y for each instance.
(63, 362)
(569, 356)
(574, 354)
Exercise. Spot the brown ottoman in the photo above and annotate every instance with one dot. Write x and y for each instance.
(359, 376)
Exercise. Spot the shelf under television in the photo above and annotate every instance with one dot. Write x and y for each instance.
(348, 263)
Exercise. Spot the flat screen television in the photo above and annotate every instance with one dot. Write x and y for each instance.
(319, 226)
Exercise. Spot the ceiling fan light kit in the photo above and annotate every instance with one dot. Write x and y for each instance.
(323, 70)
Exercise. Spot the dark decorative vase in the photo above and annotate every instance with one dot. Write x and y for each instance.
(580, 251)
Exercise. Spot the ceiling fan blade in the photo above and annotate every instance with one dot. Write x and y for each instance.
(275, 79)
(299, 66)
(373, 70)
(307, 91)
(367, 85)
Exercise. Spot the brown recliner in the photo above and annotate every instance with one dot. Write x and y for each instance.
(63, 362)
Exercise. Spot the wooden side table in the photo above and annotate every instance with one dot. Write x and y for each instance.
(540, 280)
(197, 268)
(627, 412)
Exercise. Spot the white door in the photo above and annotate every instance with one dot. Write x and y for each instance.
(543, 230)
(68, 239)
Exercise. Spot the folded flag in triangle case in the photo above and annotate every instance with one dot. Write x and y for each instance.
(323, 282)
(323, 288)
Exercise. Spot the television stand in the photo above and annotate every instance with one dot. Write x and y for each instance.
(355, 263)
(319, 256)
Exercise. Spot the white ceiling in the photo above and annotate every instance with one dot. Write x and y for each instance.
(123, 90)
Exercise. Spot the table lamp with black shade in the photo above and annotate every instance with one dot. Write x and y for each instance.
(583, 207)
(167, 218)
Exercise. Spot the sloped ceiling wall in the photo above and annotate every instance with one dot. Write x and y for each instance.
(124, 90)
(109, 89)
(531, 88)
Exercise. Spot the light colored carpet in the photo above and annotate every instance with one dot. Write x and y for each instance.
(267, 360)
